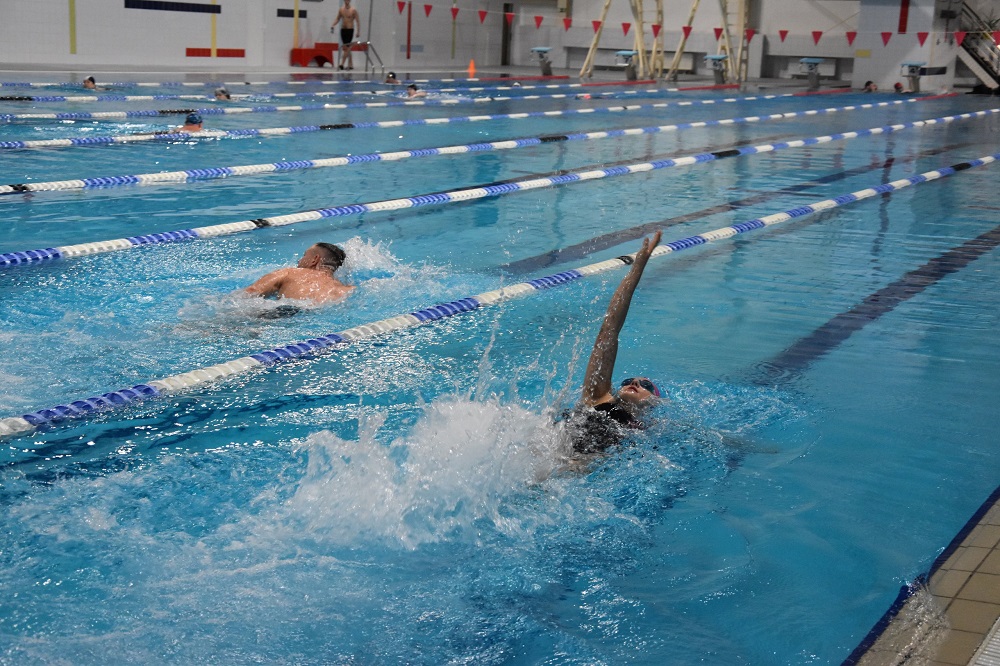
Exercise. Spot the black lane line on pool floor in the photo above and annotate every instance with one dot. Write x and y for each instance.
(793, 361)
(598, 243)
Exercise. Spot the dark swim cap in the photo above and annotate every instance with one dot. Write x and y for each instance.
(193, 119)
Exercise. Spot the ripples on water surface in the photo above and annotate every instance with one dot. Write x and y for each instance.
(408, 499)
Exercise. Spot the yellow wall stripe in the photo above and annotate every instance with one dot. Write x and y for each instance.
(214, 43)
(72, 26)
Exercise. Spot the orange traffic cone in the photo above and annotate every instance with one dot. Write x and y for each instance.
(472, 69)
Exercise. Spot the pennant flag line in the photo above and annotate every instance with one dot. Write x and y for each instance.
(749, 34)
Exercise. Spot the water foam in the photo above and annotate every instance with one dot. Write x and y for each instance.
(455, 467)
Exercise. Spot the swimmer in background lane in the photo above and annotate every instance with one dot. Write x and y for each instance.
(192, 123)
(312, 280)
(391, 79)
(601, 418)
(90, 84)
(222, 95)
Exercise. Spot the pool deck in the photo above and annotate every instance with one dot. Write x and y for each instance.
(953, 617)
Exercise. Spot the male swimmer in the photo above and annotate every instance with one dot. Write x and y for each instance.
(312, 280)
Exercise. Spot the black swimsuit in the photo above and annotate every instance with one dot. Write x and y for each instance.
(598, 428)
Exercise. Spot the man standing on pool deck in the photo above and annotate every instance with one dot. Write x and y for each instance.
(312, 280)
(350, 16)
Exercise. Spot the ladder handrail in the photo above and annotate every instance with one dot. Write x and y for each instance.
(978, 40)
(370, 48)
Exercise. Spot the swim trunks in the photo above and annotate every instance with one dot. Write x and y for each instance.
(346, 35)
(280, 312)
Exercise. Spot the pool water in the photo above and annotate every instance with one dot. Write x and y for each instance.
(407, 499)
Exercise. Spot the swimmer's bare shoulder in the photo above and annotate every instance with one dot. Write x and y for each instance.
(271, 283)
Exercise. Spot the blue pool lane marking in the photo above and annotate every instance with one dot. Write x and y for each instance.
(583, 249)
(31, 257)
(20, 425)
(794, 360)
(280, 131)
(211, 173)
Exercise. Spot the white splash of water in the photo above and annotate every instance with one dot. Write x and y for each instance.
(455, 467)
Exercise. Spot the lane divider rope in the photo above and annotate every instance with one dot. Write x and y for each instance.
(335, 93)
(231, 110)
(37, 256)
(281, 131)
(26, 423)
(216, 84)
(213, 173)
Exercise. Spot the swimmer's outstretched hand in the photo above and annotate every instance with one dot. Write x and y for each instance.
(648, 245)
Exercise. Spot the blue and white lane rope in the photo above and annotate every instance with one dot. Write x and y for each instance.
(280, 131)
(396, 90)
(20, 425)
(235, 84)
(215, 111)
(213, 173)
(31, 257)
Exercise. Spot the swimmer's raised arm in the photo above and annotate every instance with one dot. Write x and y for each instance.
(597, 381)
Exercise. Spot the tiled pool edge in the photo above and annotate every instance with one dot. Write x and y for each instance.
(962, 591)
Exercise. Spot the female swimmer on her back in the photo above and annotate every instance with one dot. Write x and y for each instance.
(602, 418)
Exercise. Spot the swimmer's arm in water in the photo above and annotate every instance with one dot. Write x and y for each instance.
(597, 381)
(269, 285)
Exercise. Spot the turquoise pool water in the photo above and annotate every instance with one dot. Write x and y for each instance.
(403, 500)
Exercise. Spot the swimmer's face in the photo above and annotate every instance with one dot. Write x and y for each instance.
(634, 392)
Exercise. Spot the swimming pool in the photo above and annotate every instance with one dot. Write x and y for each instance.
(398, 500)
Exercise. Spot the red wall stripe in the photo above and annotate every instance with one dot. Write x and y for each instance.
(220, 53)
(904, 15)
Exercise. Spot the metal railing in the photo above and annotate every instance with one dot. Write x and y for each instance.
(978, 41)
(369, 65)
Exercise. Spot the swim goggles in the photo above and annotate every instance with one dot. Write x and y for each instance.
(644, 383)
